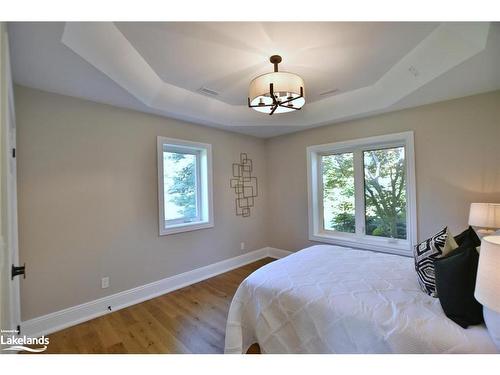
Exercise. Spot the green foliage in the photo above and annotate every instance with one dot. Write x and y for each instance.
(183, 189)
(344, 222)
(339, 170)
(338, 181)
(385, 192)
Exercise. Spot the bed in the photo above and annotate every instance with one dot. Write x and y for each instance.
(330, 299)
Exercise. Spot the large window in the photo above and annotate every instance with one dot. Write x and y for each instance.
(362, 193)
(184, 185)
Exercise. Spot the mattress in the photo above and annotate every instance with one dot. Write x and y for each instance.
(330, 299)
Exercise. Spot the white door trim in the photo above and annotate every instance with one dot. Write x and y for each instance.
(10, 184)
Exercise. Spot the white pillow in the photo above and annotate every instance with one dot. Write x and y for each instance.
(492, 320)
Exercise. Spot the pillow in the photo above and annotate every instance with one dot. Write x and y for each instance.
(468, 238)
(455, 284)
(424, 254)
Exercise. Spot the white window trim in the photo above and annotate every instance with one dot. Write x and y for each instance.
(204, 185)
(356, 240)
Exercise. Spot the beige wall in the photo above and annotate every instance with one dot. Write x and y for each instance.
(88, 206)
(88, 195)
(457, 151)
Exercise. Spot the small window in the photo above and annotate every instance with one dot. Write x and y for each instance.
(362, 193)
(184, 185)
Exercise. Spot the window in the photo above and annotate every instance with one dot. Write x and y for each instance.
(184, 185)
(362, 193)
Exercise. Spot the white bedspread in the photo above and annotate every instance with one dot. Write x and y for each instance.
(329, 299)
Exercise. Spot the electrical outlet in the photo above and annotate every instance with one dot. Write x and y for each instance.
(105, 282)
(242, 246)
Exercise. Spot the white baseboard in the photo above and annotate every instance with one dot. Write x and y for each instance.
(275, 253)
(58, 320)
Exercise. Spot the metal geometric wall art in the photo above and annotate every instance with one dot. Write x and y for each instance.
(244, 185)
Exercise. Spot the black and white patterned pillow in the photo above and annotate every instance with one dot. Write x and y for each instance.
(425, 253)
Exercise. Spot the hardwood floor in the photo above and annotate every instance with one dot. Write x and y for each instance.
(188, 320)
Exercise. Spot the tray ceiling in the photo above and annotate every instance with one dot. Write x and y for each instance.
(160, 67)
(225, 57)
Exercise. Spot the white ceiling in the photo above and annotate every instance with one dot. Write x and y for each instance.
(159, 67)
(225, 57)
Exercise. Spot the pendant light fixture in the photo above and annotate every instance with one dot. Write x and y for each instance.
(276, 92)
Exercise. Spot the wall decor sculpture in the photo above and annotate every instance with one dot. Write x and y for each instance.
(244, 185)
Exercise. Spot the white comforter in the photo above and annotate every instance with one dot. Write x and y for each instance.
(329, 299)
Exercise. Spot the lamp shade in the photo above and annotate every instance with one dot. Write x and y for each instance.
(485, 215)
(488, 273)
(286, 85)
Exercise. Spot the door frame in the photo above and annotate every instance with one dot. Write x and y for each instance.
(9, 174)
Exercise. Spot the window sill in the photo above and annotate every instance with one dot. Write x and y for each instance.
(186, 227)
(374, 244)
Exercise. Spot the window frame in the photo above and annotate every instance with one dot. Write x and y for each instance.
(359, 239)
(204, 185)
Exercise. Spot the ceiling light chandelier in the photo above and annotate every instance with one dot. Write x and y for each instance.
(276, 92)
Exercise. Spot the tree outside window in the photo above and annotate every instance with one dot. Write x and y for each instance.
(384, 192)
(180, 186)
